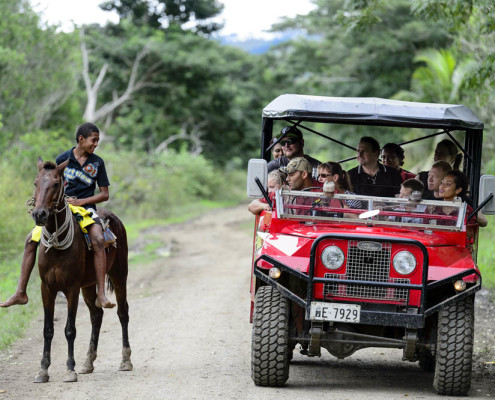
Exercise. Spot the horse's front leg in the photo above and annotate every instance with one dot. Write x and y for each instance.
(70, 332)
(49, 308)
(96, 315)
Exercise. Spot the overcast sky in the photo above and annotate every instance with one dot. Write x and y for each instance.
(245, 18)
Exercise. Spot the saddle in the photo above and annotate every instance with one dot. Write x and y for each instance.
(110, 238)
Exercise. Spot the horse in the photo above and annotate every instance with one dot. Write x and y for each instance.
(66, 265)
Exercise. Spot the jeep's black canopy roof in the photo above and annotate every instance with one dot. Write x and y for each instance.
(372, 111)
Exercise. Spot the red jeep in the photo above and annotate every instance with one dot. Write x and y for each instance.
(396, 273)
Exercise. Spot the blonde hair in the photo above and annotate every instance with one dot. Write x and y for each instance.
(277, 176)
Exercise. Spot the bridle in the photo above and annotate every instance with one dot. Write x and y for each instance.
(50, 240)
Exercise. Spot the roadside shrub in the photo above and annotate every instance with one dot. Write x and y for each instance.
(157, 186)
(16, 223)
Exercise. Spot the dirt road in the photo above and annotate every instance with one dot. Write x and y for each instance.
(190, 336)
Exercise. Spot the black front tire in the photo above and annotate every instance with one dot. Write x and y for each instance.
(454, 355)
(270, 341)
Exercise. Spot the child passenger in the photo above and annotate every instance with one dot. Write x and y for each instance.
(276, 179)
(406, 189)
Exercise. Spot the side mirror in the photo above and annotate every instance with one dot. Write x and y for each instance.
(487, 189)
(257, 168)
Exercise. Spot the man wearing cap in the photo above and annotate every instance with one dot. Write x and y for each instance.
(370, 177)
(299, 173)
(293, 144)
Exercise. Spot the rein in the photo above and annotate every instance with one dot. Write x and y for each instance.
(48, 239)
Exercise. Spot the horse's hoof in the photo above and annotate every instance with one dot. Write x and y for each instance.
(42, 377)
(125, 366)
(70, 376)
(86, 369)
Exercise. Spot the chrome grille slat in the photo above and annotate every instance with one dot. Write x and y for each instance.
(371, 266)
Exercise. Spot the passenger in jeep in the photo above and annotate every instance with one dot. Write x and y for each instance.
(277, 150)
(293, 146)
(275, 181)
(393, 157)
(299, 173)
(455, 184)
(371, 177)
(437, 172)
(333, 172)
(406, 189)
(445, 150)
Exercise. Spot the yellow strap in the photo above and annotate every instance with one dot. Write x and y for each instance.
(86, 221)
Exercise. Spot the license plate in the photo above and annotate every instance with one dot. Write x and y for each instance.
(335, 312)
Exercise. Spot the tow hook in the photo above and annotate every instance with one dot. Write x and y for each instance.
(314, 349)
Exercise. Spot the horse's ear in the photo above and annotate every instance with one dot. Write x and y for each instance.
(40, 163)
(61, 167)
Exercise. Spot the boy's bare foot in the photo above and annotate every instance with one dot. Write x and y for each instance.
(16, 298)
(104, 303)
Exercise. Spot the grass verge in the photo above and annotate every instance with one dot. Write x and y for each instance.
(15, 320)
(486, 253)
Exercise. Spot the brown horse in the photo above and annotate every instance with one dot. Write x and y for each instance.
(66, 265)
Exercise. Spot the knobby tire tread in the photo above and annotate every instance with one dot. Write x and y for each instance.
(454, 349)
(270, 339)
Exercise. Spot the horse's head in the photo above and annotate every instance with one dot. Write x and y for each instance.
(49, 192)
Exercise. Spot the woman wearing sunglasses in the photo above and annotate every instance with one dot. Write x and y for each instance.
(333, 172)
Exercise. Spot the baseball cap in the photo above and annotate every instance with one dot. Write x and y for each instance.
(292, 132)
(298, 164)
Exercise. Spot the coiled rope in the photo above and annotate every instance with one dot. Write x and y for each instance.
(50, 240)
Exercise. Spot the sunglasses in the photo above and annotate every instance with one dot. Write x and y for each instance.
(289, 142)
(324, 176)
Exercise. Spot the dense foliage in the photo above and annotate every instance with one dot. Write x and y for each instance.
(182, 110)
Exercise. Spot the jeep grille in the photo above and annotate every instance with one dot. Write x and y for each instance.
(370, 266)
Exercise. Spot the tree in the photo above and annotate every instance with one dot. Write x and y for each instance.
(37, 69)
(169, 14)
(439, 80)
(146, 86)
(352, 52)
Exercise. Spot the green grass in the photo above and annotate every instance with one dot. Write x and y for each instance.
(486, 253)
(15, 320)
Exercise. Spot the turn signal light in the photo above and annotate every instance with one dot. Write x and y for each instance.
(460, 285)
(274, 273)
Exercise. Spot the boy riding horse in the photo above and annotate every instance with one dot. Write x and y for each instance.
(84, 171)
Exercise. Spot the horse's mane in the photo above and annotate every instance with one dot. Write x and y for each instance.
(49, 165)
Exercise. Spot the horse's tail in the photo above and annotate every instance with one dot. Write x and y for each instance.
(109, 285)
(119, 267)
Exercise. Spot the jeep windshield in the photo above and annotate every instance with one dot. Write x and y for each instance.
(368, 210)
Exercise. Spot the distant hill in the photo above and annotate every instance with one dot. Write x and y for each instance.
(258, 45)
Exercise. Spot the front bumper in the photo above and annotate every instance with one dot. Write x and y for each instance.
(409, 318)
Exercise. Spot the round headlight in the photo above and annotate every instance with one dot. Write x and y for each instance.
(404, 262)
(332, 257)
